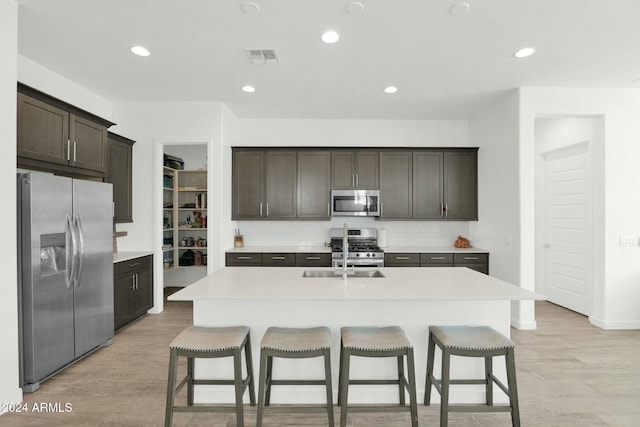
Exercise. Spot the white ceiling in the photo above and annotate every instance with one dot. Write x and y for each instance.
(446, 66)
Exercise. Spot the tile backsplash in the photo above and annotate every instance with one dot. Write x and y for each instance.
(316, 233)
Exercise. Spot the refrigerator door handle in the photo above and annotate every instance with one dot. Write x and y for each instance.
(70, 255)
(80, 251)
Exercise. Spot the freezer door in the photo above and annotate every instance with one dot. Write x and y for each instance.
(45, 249)
(93, 276)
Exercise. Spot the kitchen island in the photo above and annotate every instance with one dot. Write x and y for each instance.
(412, 298)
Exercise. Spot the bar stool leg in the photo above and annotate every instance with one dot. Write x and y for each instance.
(340, 376)
(190, 376)
(249, 363)
(513, 388)
(344, 386)
(428, 383)
(444, 384)
(171, 387)
(488, 370)
(412, 388)
(401, 383)
(267, 395)
(329, 387)
(237, 368)
(261, 387)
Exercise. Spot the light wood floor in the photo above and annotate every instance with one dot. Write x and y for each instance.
(569, 374)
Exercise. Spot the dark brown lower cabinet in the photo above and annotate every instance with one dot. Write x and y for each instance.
(247, 259)
(313, 259)
(402, 260)
(278, 260)
(474, 261)
(132, 289)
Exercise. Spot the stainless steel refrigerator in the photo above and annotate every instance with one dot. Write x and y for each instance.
(65, 272)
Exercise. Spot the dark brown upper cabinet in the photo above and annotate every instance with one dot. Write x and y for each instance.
(396, 185)
(119, 171)
(445, 185)
(354, 169)
(58, 137)
(264, 184)
(314, 174)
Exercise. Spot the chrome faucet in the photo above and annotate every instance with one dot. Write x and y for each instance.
(345, 250)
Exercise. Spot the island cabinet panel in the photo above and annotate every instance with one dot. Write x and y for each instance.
(314, 185)
(278, 260)
(436, 260)
(54, 136)
(119, 170)
(132, 289)
(313, 260)
(474, 261)
(402, 260)
(396, 185)
(243, 259)
(354, 169)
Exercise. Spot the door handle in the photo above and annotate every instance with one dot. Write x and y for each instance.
(357, 181)
(260, 208)
(244, 257)
(267, 208)
(80, 251)
(68, 149)
(277, 257)
(436, 257)
(402, 257)
(471, 258)
(70, 241)
(74, 151)
(310, 258)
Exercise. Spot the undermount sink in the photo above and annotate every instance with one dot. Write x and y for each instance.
(350, 273)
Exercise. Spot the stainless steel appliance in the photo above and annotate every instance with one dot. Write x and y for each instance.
(65, 272)
(362, 251)
(355, 202)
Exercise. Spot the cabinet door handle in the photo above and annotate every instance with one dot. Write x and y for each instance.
(402, 257)
(134, 264)
(74, 151)
(353, 179)
(68, 150)
(381, 209)
(267, 208)
(310, 258)
(245, 257)
(357, 181)
(328, 209)
(471, 257)
(446, 210)
(277, 257)
(260, 208)
(436, 257)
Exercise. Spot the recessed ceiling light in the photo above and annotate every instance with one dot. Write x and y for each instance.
(524, 52)
(250, 8)
(355, 7)
(248, 89)
(459, 8)
(330, 37)
(390, 89)
(140, 51)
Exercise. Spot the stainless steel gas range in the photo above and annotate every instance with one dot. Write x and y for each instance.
(363, 249)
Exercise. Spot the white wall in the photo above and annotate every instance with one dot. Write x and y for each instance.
(495, 130)
(616, 285)
(9, 356)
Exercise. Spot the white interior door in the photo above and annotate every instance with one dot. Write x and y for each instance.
(567, 228)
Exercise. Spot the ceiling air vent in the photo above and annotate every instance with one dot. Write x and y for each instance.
(263, 56)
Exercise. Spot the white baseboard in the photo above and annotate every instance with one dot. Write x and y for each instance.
(524, 325)
(607, 324)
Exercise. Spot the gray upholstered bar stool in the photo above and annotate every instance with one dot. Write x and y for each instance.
(294, 343)
(471, 341)
(373, 341)
(206, 342)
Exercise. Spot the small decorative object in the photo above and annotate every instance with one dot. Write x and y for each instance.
(197, 259)
(201, 242)
(183, 242)
(187, 258)
(461, 242)
(190, 241)
(188, 218)
(238, 239)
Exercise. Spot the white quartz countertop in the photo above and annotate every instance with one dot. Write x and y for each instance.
(280, 249)
(125, 256)
(433, 249)
(399, 284)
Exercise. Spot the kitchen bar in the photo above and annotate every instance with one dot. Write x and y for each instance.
(412, 298)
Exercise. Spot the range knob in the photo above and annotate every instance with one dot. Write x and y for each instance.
(368, 254)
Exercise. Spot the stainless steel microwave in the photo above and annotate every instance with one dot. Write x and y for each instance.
(355, 202)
